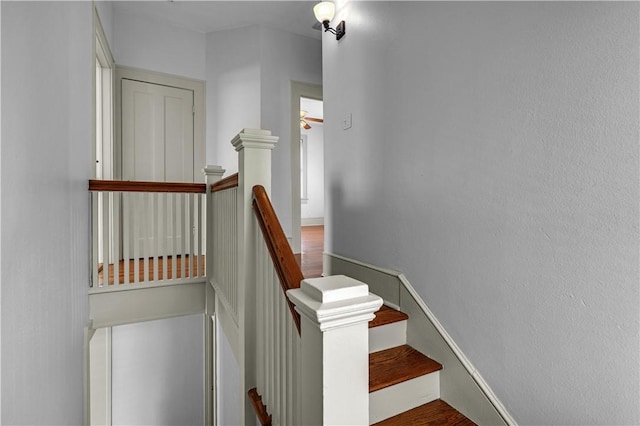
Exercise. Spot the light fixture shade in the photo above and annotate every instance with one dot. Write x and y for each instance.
(324, 11)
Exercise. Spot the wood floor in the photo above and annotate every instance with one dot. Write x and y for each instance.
(310, 260)
(189, 266)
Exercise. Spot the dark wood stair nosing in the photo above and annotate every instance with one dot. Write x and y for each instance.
(433, 413)
(387, 315)
(396, 365)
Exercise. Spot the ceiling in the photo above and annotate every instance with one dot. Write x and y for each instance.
(212, 15)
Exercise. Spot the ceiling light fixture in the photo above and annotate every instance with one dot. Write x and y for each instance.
(324, 12)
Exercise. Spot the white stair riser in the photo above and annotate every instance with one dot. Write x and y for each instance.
(387, 336)
(403, 396)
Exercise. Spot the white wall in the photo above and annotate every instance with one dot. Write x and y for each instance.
(233, 91)
(228, 405)
(284, 57)
(144, 43)
(493, 159)
(158, 372)
(46, 156)
(249, 71)
(313, 208)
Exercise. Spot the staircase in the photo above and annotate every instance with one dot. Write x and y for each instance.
(404, 384)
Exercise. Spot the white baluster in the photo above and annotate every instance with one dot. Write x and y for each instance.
(115, 237)
(126, 232)
(167, 231)
(105, 238)
(95, 258)
(174, 235)
(146, 243)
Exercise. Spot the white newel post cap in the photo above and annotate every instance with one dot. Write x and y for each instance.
(213, 173)
(254, 138)
(335, 301)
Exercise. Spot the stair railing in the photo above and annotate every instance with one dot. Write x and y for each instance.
(301, 345)
(224, 242)
(146, 233)
(278, 324)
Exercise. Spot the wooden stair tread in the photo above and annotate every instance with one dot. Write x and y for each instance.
(434, 413)
(396, 365)
(387, 315)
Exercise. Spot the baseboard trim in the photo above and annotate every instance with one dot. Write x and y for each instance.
(312, 221)
(328, 261)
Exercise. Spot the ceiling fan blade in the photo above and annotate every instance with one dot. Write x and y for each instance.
(317, 120)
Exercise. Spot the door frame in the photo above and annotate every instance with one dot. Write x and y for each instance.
(298, 90)
(153, 77)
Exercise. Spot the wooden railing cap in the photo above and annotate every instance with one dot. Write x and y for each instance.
(143, 186)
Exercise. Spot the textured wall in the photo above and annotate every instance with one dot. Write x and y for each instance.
(493, 159)
(233, 91)
(284, 57)
(158, 372)
(46, 157)
(141, 42)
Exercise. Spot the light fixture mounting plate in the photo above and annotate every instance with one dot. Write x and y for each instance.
(340, 30)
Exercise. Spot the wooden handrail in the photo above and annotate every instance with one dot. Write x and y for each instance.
(226, 183)
(284, 261)
(139, 186)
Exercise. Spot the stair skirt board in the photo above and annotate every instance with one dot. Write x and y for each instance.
(404, 396)
(460, 384)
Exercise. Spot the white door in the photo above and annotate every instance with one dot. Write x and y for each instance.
(157, 132)
(157, 145)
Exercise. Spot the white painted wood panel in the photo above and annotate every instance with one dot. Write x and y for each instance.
(403, 396)
(158, 145)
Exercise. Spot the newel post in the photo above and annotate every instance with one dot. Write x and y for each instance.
(254, 168)
(212, 174)
(335, 312)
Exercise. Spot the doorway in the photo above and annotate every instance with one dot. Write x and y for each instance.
(302, 93)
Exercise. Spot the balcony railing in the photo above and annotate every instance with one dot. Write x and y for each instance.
(146, 233)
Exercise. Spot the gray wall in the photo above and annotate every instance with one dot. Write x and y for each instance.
(157, 372)
(141, 42)
(249, 71)
(493, 159)
(284, 57)
(233, 91)
(45, 165)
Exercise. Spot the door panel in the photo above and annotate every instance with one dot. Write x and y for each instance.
(157, 145)
(157, 132)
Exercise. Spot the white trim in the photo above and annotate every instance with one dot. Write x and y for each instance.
(304, 194)
(213, 394)
(146, 304)
(101, 36)
(86, 384)
(153, 77)
(462, 358)
(102, 53)
(312, 221)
